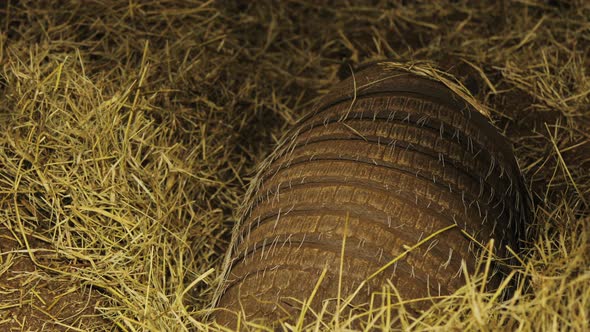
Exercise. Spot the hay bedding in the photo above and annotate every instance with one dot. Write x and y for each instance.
(129, 131)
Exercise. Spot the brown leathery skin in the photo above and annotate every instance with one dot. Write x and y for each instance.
(385, 159)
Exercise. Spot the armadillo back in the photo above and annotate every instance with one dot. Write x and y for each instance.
(382, 161)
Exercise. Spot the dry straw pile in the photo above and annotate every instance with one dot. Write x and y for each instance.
(129, 131)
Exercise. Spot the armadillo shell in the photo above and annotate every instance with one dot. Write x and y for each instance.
(389, 163)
